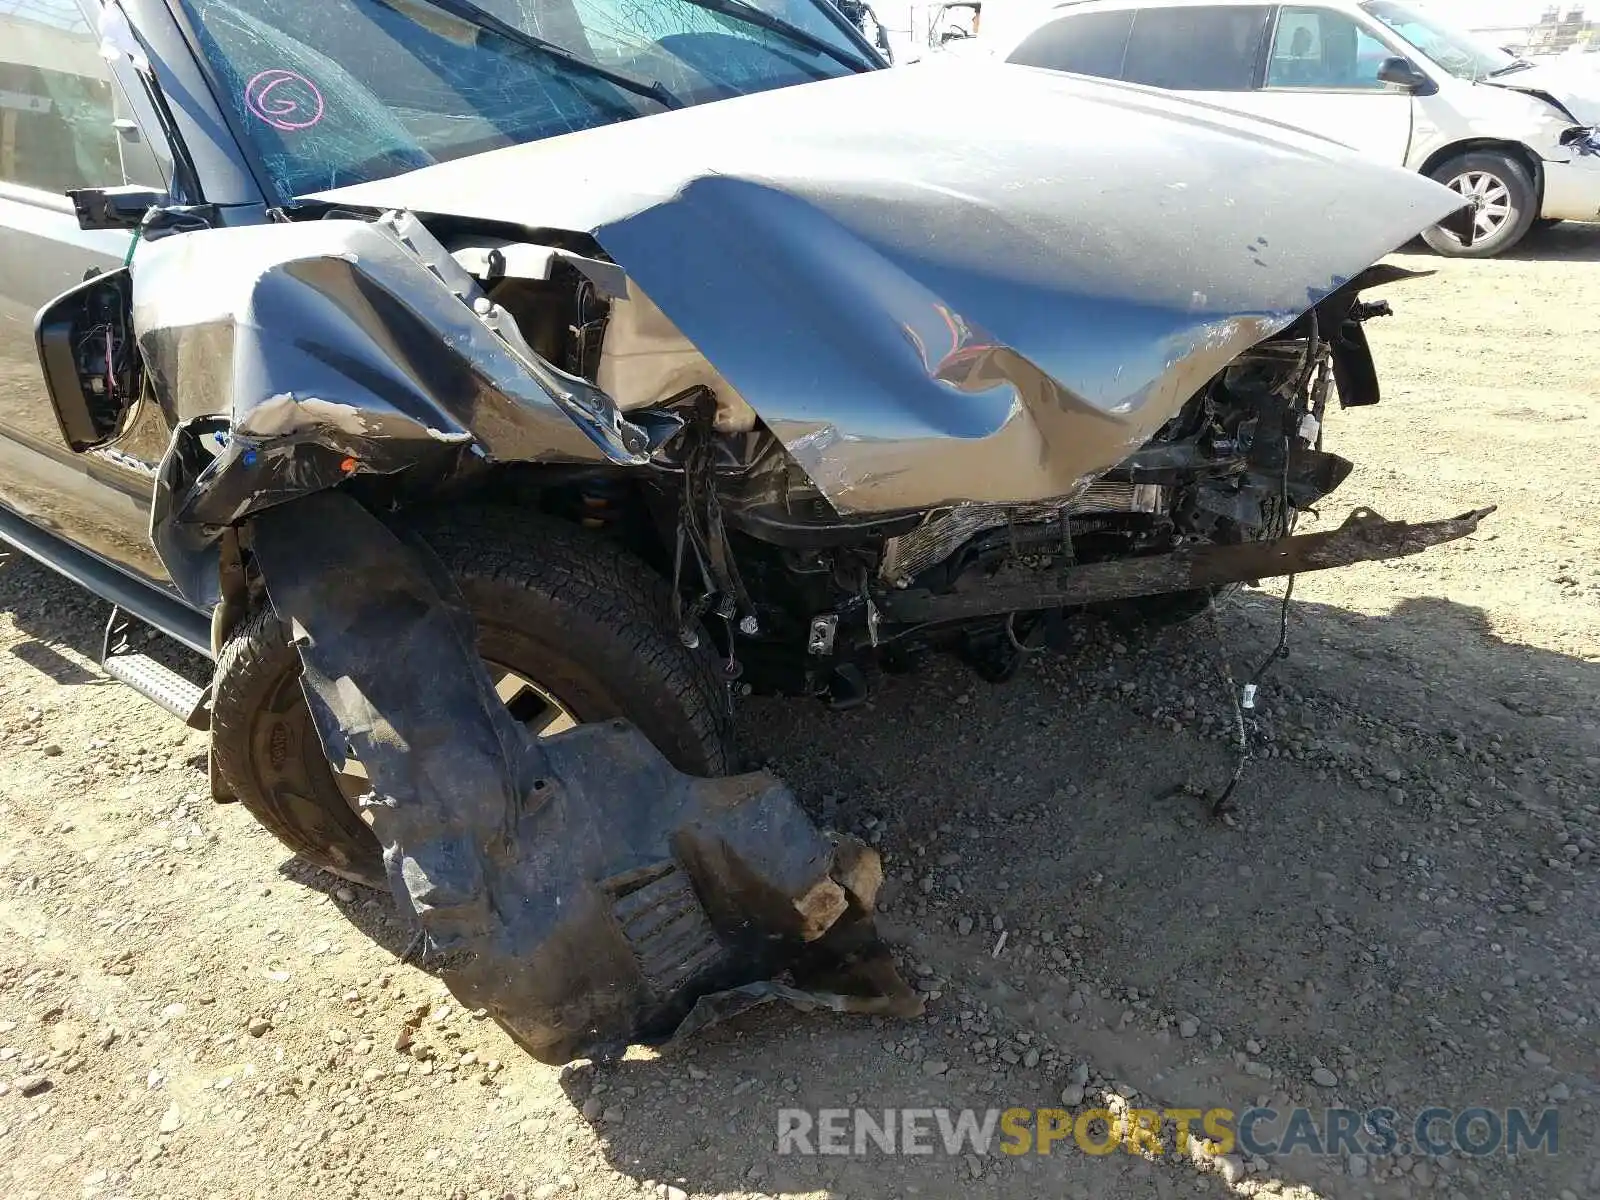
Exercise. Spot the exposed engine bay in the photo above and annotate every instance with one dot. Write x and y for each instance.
(757, 547)
(760, 552)
(627, 429)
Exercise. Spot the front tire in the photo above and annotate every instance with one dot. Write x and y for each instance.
(573, 613)
(1506, 199)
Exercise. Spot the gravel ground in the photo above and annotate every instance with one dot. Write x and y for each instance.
(1404, 910)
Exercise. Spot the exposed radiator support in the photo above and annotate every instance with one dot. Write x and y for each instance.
(943, 533)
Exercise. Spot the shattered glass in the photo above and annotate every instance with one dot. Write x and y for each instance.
(354, 90)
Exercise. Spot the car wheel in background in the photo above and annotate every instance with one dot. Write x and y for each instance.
(1505, 200)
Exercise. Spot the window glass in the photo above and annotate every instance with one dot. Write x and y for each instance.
(1196, 49)
(953, 22)
(1089, 43)
(343, 91)
(58, 103)
(1319, 48)
(1464, 55)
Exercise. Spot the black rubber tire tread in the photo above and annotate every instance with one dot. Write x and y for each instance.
(616, 603)
(308, 814)
(1524, 201)
(559, 605)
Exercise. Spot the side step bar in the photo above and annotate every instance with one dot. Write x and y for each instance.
(153, 605)
(153, 680)
(157, 607)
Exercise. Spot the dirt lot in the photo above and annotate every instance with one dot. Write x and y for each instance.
(1405, 911)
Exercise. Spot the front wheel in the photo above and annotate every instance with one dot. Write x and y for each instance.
(572, 629)
(1504, 199)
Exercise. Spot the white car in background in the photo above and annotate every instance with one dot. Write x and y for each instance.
(1382, 76)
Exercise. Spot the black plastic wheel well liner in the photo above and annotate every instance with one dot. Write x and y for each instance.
(576, 886)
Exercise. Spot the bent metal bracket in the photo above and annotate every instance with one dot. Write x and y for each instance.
(577, 887)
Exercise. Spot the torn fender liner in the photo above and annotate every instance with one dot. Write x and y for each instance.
(291, 357)
(943, 301)
(1364, 537)
(577, 887)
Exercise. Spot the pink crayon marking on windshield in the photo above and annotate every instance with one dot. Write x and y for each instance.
(284, 100)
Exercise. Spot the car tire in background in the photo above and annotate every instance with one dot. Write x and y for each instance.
(1508, 203)
(575, 618)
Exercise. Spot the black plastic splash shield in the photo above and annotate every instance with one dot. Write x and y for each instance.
(577, 887)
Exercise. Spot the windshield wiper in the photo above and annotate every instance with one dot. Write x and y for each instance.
(1520, 64)
(739, 10)
(486, 22)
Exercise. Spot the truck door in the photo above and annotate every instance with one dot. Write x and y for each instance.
(64, 123)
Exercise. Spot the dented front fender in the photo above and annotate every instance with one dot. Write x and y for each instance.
(293, 357)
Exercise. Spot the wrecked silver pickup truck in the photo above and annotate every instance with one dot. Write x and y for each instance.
(517, 407)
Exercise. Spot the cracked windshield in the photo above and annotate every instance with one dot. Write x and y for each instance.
(353, 90)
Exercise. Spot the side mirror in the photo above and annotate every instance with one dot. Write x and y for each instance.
(1405, 73)
(92, 367)
(115, 207)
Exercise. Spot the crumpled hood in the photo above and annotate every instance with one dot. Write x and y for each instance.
(1574, 88)
(958, 282)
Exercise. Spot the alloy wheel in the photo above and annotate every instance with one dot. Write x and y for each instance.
(1490, 198)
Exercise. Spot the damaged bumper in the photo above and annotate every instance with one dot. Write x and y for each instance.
(1572, 188)
(1364, 537)
(577, 887)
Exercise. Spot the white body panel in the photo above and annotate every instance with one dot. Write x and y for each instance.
(1534, 107)
(1378, 124)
